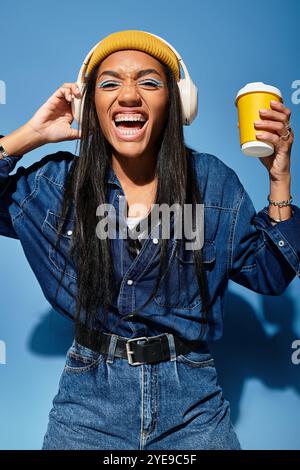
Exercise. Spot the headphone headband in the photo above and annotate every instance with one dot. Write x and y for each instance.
(187, 89)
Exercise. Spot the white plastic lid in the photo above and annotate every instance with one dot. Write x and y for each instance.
(256, 148)
(258, 86)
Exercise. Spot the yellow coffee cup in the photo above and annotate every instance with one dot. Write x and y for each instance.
(249, 100)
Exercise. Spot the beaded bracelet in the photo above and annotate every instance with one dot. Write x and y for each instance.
(279, 204)
(3, 153)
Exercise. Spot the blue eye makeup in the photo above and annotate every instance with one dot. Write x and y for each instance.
(152, 82)
(107, 83)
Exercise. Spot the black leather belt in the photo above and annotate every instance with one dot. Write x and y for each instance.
(153, 349)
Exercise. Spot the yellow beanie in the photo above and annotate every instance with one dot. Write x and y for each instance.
(137, 40)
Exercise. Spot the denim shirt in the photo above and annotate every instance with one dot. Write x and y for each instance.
(239, 244)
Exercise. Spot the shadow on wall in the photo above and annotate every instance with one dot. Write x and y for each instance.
(52, 336)
(246, 351)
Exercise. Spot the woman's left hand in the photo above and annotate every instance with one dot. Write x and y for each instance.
(273, 125)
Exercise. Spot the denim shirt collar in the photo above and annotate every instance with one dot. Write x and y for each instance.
(112, 178)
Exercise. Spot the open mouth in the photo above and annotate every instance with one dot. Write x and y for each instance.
(129, 125)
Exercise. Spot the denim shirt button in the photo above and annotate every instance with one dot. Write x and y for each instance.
(281, 243)
(69, 232)
(155, 241)
(130, 282)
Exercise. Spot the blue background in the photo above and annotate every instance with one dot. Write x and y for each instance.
(224, 44)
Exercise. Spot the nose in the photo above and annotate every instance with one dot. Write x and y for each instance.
(129, 95)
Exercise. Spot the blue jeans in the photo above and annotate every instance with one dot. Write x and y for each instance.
(103, 402)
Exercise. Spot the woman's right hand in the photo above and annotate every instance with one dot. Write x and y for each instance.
(52, 121)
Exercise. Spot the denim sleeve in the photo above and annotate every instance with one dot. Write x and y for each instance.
(265, 258)
(7, 164)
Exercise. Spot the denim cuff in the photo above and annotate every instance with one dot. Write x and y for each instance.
(12, 160)
(285, 235)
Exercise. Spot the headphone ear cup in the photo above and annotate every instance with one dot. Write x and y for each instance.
(189, 100)
(77, 105)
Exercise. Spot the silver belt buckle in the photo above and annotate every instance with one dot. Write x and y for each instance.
(130, 353)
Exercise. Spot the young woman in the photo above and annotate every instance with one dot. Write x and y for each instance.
(139, 374)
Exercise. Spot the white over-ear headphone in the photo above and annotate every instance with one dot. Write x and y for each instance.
(187, 89)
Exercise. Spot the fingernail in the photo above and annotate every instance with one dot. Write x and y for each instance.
(259, 134)
(273, 102)
(263, 111)
(257, 123)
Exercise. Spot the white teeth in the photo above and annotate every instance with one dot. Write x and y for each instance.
(129, 117)
(129, 132)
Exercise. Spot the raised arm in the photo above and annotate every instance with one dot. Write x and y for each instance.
(51, 123)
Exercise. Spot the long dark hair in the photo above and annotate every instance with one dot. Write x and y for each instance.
(85, 189)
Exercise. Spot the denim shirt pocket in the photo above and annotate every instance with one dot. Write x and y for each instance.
(179, 286)
(59, 255)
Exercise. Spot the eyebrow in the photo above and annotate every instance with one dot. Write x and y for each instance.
(140, 74)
